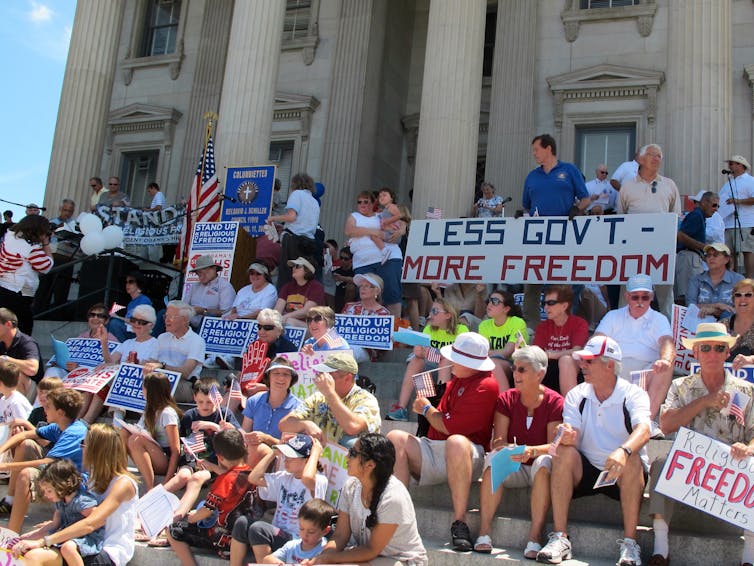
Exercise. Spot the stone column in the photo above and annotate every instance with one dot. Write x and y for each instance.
(351, 116)
(206, 88)
(512, 102)
(449, 117)
(699, 92)
(81, 126)
(251, 73)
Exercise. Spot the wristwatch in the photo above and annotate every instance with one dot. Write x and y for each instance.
(627, 450)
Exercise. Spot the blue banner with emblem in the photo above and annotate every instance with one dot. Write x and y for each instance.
(232, 337)
(126, 389)
(248, 196)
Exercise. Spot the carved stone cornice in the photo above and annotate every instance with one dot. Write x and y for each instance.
(573, 16)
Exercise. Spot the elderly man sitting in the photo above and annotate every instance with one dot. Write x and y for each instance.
(605, 428)
(179, 349)
(646, 341)
(459, 433)
(698, 402)
(211, 295)
(340, 410)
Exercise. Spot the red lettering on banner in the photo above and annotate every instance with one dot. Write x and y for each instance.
(675, 464)
(507, 261)
(658, 263)
(709, 476)
(534, 263)
(553, 265)
(611, 263)
(411, 264)
(624, 265)
(695, 470)
(736, 498)
(576, 267)
(441, 268)
(721, 483)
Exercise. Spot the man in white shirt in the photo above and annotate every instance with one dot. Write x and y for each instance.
(158, 199)
(601, 194)
(626, 170)
(737, 198)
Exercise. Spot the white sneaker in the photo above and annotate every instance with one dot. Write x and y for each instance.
(655, 431)
(557, 549)
(630, 553)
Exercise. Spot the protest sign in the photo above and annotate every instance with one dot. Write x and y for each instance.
(293, 333)
(226, 337)
(145, 228)
(8, 559)
(518, 299)
(87, 351)
(745, 372)
(90, 380)
(587, 249)
(683, 357)
(255, 362)
(217, 239)
(155, 509)
(366, 331)
(248, 192)
(7, 539)
(125, 392)
(700, 472)
(334, 460)
(303, 364)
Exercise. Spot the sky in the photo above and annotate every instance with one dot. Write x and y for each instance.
(34, 38)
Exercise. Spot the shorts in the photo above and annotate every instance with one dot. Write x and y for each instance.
(102, 558)
(191, 534)
(259, 532)
(585, 487)
(434, 468)
(524, 476)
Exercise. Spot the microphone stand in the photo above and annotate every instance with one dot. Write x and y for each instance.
(737, 231)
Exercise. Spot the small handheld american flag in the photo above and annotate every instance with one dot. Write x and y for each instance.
(641, 378)
(115, 308)
(194, 443)
(332, 340)
(424, 384)
(434, 213)
(235, 389)
(553, 450)
(433, 355)
(215, 396)
(738, 402)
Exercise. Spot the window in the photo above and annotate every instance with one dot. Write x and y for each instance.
(161, 29)
(589, 4)
(138, 169)
(489, 43)
(281, 155)
(298, 14)
(610, 144)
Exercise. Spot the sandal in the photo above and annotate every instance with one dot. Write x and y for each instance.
(531, 550)
(141, 536)
(483, 544)
(160, 541)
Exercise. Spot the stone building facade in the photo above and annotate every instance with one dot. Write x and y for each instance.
(429, 95)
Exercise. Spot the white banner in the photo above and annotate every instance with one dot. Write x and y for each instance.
(304, 364)
(701, 473)
(334, 460)
(588, 249)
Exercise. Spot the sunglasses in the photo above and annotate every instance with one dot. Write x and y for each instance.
(520, 369)
(99, 315)
(353, 452)
(139, 322)
(637, 298)
(315, 318)
(748, 295)
(345, 258)
(654, 187)
(495, 301)
(267, 327)
(719, 348)
(364, 202)
(712, 253)
(603, 172)
(550, 302)
(434, 310)
(130, 281)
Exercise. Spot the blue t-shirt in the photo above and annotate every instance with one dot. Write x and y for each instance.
(140, 300)
(66, 443)
(553, 193)
(694, 225)
(266, 419)
(292, 553)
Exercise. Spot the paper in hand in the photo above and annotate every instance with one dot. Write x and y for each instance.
(155, 510)
(602, 480)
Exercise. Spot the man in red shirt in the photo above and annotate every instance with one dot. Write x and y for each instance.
(460, 430)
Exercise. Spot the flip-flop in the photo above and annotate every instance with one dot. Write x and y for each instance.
(159, 542)
(483, 544)
(141, 536)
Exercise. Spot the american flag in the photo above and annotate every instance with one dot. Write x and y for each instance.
(203, 204)
(433, 355)
(434, 213)
(194, 443)
(332, 340)
(641, 378)
(216, 396)
(553, 449)
(737, 403)
(235, 390)
(424, 384)
(115, 308)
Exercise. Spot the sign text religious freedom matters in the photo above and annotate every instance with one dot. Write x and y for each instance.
(600, 249)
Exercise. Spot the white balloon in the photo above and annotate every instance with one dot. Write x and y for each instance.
(113, 236)
(92, 243)
(90, 224)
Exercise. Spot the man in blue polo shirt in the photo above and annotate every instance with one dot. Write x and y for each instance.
(554, 188)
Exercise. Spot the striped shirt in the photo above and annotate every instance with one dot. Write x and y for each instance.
(20, 264)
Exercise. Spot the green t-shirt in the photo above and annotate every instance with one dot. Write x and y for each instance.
(440, 337)
(499, 336)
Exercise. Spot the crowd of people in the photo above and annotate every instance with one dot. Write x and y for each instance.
(582, 390)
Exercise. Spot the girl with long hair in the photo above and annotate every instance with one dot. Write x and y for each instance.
(375, 509)
(156, 450)
(502, 327)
